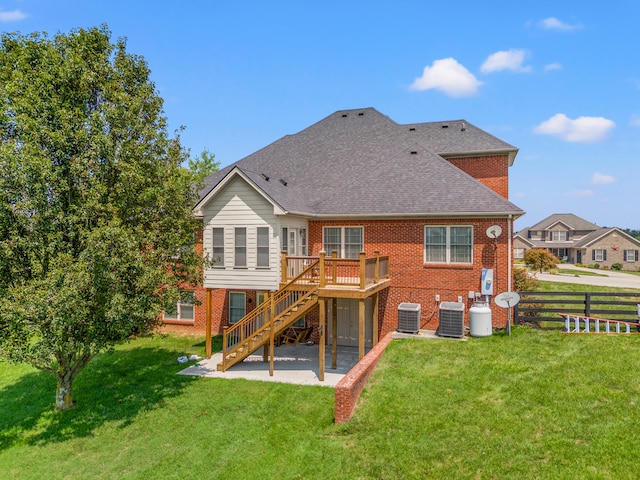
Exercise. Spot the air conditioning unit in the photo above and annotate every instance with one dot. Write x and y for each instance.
(409, 317)
(451, 320)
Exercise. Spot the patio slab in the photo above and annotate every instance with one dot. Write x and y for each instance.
(297, 365)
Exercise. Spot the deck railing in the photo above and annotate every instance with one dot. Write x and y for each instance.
(358, 272)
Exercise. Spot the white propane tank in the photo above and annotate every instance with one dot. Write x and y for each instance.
(480, 320)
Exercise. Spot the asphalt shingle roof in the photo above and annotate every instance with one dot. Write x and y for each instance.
(362, 163)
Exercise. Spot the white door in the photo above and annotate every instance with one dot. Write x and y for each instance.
(296, 246)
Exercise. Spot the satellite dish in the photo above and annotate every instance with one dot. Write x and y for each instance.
(507, 299)
(494, 231)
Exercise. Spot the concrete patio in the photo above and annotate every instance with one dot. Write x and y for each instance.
(298, 365)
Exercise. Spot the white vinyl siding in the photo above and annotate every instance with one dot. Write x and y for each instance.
(240, 205)
(448, 244)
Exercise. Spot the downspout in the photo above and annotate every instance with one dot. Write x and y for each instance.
(509, 266)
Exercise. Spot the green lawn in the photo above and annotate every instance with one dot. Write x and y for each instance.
(537, 404)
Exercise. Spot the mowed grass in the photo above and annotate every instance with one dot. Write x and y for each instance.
(537, 404)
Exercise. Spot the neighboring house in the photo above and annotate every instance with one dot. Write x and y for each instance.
(405, 208)
(576, 240)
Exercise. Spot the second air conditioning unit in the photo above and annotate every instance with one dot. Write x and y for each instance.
(451, 320)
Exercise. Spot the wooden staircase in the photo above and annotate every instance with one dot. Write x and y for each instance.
(592, 325)
(270, 319)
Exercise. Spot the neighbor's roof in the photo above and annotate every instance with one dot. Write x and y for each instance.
(362, 163)
(569, 219)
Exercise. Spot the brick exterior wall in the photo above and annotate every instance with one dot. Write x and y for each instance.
(348, 390)
(492, 171)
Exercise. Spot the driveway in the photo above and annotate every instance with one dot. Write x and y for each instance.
(610, 278)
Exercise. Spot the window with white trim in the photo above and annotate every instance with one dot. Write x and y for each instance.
(183, 310)
(518, 252)
(558, 236)
(631, 255)
(599, 255)
(240, 242)
(262, 260)
(237, 306)
(448, 244)
(217, 248)
(347, 241)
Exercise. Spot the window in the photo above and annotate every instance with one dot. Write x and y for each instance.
(450, 244)
(303, 242)
(631, 255)
(518, 252)
(183, 309)
(558, 236)
(599, 255)
(284, 239)
(218, 247)
(240, 239)
(263, 247)
(260, 297)
(347, 241)
(237, 306)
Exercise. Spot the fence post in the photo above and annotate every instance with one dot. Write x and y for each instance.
(322, 269)
(363, 259)
(587, 304)
(377, 274)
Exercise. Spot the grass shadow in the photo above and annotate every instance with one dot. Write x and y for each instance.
(115, 387)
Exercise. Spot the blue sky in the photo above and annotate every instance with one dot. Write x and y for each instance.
(558, 80)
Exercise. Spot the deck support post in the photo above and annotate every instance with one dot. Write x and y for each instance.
(361, 317)
(376, 296)
(272, 348)
(321, 344)
(334, 333)
(207, 348)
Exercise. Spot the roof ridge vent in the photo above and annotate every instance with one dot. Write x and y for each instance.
(265, 176)
(412, 129)
(445, 126)
(345, 115)
(360, 114)
(414, 152)
(283, 182)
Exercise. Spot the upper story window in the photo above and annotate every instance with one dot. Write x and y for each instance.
(448, 244)
(240, 241)
(559, 236)
(347, 241)
(217, 249)
(263, 247)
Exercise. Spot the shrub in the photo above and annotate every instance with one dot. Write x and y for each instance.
(616, 266)
(593, 265)
(540, 259)
(523, 280)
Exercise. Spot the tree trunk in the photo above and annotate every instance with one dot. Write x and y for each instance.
(64, 397)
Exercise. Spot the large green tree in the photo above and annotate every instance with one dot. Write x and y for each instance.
(96, 230)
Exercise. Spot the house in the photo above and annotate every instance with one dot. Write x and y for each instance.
(576, 240)
(335, 226)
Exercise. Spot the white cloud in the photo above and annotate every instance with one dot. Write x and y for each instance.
(580, 193)
(448, 76)
(12, 16)
(505, 60)
(601, 179)
(552, 66)
(552, 23)
(581, 129)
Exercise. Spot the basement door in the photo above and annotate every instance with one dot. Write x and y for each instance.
(348, 311)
